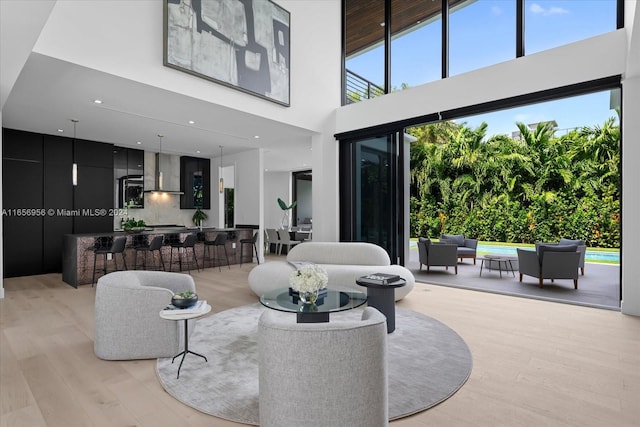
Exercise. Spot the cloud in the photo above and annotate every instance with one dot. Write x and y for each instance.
(495, 10)
(553, 10)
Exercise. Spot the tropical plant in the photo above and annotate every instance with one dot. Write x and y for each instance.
(284, 223)
(198, 217)
(284, 206)
(538, 187)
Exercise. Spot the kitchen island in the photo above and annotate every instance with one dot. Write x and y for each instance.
(78, 249)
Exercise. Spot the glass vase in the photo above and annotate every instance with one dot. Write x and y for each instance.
(308, 297)
(284, 223)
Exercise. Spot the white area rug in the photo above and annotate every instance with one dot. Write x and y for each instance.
(428, 362)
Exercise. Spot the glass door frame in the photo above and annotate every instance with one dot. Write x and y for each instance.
(350, 196)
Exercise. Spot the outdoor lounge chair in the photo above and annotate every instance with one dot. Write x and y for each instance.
(550, 262)
(466, 248)
(582, 250)
(437, 254)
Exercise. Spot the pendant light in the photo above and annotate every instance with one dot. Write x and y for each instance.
(74, 166)
(221, 184)
(158, 171)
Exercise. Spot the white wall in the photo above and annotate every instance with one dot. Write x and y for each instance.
(326, 205)
(18, 36)
(247, 190)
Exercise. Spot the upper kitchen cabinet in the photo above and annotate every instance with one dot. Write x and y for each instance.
(128, 168)
(195, 183)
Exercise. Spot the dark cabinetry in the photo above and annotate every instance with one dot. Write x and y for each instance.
(93, 196)
(22, 178)
(128, 166)
(195, 183)
(57, 195)
(40, 202)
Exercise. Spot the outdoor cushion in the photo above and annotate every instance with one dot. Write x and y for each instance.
(564, 241)
(427, 242)
(554, 248)
(463, 250)
(457, 239)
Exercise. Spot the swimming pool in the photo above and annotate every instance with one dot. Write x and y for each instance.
(592, 255)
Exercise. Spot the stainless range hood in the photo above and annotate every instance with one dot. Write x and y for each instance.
(165, 182)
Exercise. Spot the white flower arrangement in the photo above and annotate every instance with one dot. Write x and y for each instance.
(308, 278)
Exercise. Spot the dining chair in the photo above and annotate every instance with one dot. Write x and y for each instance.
(273, 239)
(285, 239)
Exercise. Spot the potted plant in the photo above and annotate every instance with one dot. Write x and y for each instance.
(133, 226)
(284, 224)
(198, 217)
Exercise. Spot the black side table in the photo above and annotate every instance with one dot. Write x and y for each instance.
(382, 297)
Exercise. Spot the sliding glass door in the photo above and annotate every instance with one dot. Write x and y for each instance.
(370, 193)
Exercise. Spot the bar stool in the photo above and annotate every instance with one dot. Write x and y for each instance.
(188, 242)
(155, 245)
(220, 240)
(116, 248)
(250, 241)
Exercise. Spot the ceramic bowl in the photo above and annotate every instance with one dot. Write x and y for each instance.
(184, 302)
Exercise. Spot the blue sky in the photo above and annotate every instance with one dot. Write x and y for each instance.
(482, 33)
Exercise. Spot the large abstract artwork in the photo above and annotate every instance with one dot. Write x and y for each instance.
(240, 43)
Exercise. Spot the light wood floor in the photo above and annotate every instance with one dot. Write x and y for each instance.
(535, 363)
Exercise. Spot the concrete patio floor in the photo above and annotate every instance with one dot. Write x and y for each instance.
(599, 287)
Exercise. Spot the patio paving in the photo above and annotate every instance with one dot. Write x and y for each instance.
(599, 287)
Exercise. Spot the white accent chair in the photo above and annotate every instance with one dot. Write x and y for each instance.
(272, 239)
(285, 239)
(343, 261)
(323, 374)
(127, 315)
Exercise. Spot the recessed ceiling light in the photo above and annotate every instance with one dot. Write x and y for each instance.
(60, 130)
(198, 151)
(191, 122)
(97, 101)
(256, 136)
(139, 142)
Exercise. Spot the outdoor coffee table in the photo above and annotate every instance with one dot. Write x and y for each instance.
(283, 299)
(501, 261)
(382, 297)
(176, 315)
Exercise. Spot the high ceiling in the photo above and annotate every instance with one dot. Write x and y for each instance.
(48, 93)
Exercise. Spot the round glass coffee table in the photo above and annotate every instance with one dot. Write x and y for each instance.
(285, 299)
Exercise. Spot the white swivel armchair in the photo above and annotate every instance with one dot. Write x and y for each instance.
(127, 315)
(323, 374)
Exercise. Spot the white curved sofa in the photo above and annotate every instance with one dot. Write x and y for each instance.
(127, 315)
(343, 261)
